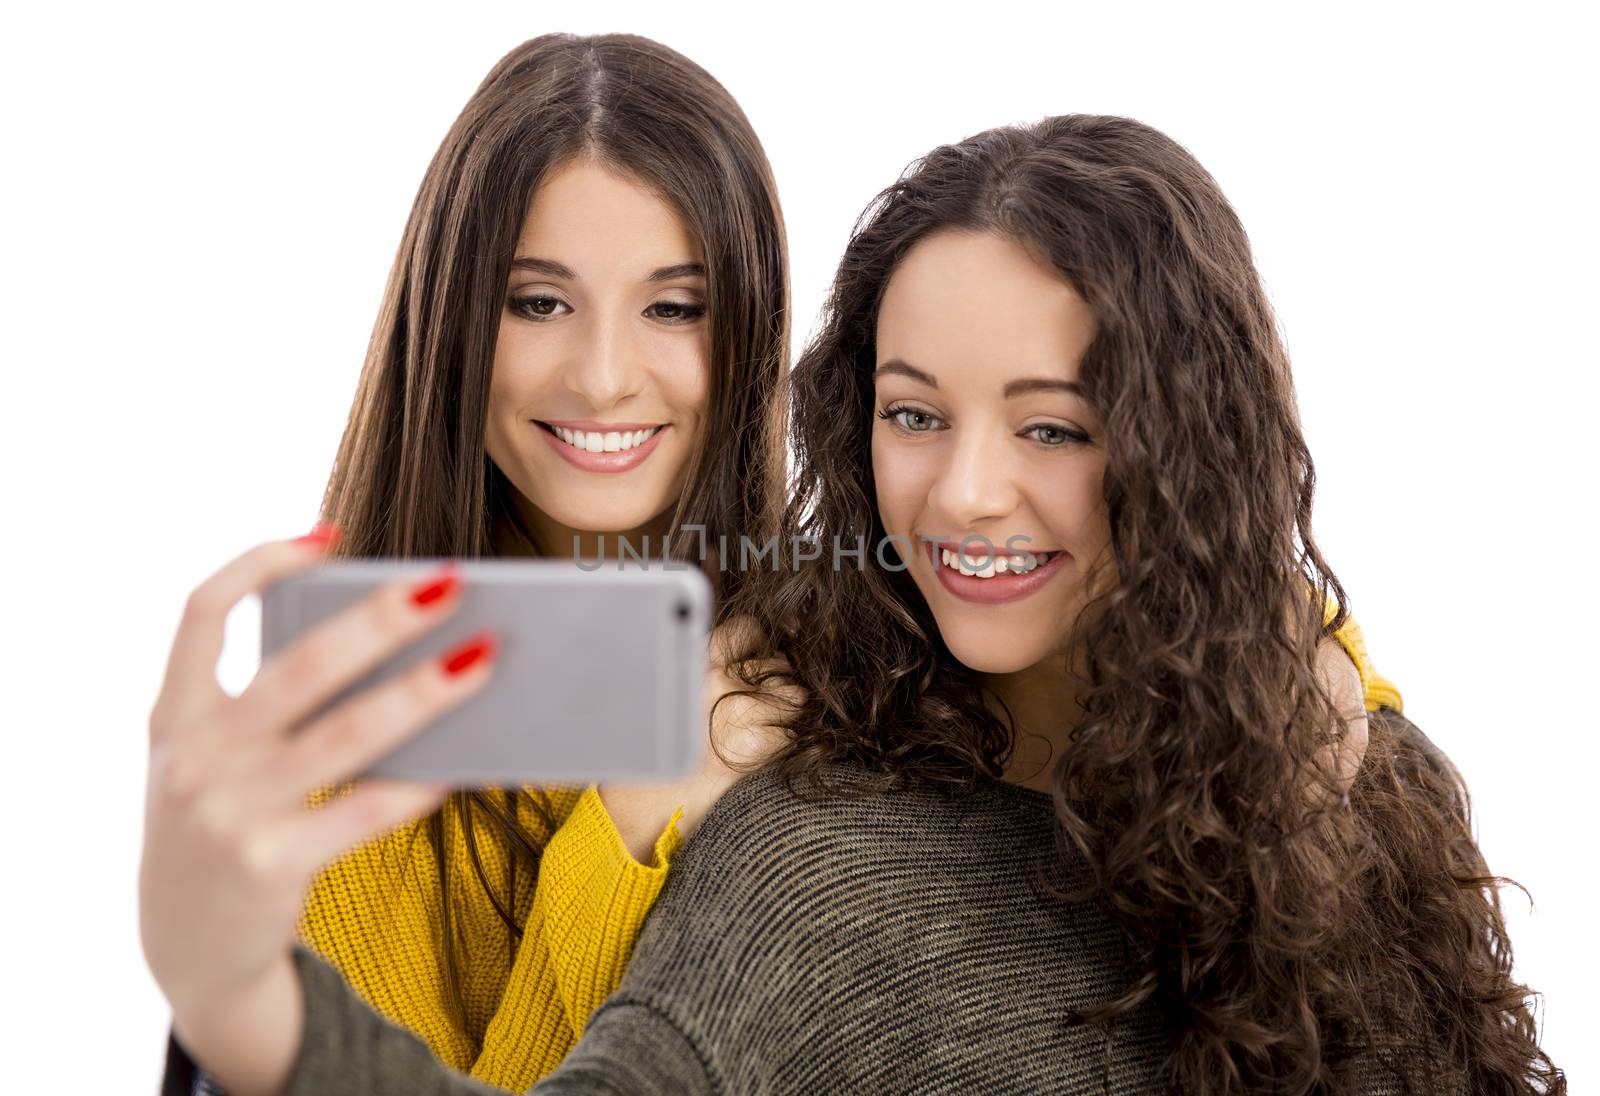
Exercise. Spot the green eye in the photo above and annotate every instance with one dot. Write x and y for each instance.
(910, 419)
(1054, 437)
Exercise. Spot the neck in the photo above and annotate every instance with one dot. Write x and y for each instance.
(1044, 703)
(529, 531)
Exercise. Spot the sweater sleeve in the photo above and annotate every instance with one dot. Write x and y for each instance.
(348, 1048)
(589, 903)
(1377, 691)
(630, 1048)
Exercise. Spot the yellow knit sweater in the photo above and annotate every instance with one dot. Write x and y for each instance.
(1377, 691)
(374, 914)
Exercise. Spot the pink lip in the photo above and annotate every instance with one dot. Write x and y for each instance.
(598, 427)
(620, 461)
(991, 591)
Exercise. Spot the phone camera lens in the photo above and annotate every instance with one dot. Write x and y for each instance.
(683, 610)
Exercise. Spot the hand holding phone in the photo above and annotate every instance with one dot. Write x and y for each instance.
(600, 669)
(229, 848)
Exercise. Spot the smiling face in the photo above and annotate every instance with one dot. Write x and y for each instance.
(980, 432)
(602, 362)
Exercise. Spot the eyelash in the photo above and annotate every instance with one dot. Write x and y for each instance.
(893, 412)
(522, 306)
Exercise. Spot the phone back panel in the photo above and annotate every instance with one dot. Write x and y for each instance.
(598, 677)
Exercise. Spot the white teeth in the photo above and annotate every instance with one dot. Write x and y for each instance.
(611, 441)
(989, 566)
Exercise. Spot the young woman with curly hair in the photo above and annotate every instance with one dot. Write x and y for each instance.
(1057, 333)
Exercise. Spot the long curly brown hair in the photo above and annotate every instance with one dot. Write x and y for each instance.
(1281, 936)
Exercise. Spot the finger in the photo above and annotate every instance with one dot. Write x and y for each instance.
(190, 680)
(1352, 750)
(294, 682)
(346, 741)
(1341, 758)
(372, 809)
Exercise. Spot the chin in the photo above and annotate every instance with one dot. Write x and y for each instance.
(992, 650)
(600, 518)
(992, 664)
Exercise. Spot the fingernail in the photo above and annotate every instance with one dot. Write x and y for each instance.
(438, 586)
(480, 648)
(325, 534)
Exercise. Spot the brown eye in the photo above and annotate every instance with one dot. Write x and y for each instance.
(676, 311)
(539, 307)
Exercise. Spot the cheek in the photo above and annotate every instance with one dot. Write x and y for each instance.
(1073, 510)
(683, 373)
(521, 361)
(894, 477)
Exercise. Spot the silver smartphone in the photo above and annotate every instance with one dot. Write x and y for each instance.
(598, 677)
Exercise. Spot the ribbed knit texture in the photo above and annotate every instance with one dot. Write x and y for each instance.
(904, 942)
(898, 943)
(375, 915)
(1377, 690)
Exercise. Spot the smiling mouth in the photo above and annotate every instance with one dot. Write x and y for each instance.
(603, 441)
(990, 566)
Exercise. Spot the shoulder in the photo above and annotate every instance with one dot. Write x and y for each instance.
(1410, 737)
(798, 926)
(798, 867)
(1418, 761)
(765, 815)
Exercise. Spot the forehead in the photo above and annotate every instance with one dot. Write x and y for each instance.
(979, 301)
(597, 220)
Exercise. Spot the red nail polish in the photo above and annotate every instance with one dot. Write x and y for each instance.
(481, 648)
(323, 535)
(437, 587)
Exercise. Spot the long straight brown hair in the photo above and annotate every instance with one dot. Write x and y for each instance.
(412, 478)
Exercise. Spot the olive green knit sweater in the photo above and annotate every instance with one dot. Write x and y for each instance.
(892, 944)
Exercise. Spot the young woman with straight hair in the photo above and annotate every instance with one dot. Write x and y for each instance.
(581, 337)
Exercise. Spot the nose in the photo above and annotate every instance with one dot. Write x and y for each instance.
(976, 483)
(609, 365)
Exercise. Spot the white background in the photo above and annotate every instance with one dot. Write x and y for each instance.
(201, 207)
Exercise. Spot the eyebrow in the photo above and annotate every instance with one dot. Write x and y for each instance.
(543, 266)
(1012, 388)
(1043, 384)
(682, 270)
(557, 270)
